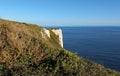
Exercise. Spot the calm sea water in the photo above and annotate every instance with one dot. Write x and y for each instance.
(99, 44)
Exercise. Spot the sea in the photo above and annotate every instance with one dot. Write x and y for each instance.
(99, 44)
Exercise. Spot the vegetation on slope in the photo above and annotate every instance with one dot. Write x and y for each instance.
(26, 50)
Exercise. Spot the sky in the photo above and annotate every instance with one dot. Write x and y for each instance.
(62, 12)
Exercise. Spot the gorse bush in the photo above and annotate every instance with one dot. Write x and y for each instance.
(24, 51)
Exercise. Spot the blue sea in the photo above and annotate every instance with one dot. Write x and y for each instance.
(99, 44)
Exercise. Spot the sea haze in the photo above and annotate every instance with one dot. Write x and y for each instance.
(99, 44)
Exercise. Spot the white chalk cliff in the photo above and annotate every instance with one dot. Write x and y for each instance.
(58, 32)
(47, 32)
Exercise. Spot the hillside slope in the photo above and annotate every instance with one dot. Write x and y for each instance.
(25, 49)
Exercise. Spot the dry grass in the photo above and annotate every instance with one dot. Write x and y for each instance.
(23, 51)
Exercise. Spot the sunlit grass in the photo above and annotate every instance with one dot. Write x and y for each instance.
(23, 51)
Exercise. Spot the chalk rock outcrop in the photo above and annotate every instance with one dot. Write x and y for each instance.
(47, 32)
(58, 32)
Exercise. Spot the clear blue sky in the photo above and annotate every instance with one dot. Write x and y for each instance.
(62, 12)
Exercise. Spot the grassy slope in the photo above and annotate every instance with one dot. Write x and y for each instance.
(26, 50)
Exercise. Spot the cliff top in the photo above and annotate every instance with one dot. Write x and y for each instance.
(26, 49)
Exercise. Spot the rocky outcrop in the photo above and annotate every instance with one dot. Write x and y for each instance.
(58, 32)
(47, 32)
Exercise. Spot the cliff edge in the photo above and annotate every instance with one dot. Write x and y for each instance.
(31, 50)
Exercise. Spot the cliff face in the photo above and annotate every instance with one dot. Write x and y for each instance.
(58, 33)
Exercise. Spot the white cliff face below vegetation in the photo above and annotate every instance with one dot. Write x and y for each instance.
(47, 32)
(58, 32)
